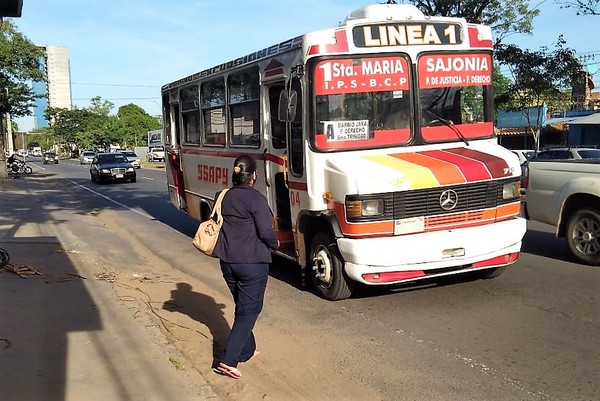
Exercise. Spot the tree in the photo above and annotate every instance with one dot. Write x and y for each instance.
(541, 77)
(77, 128)
(43, 136)
(94, 128)
(502, 86)
(582, 7)
(505, 17)
(19, 63)
(136, 124)
(100, 107)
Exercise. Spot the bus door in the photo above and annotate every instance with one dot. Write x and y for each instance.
(277, 165)
(173, 158)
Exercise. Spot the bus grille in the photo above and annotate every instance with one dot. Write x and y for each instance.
(426, 202)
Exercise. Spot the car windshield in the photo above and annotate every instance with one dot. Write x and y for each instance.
(88, 153)
(129, 154)
(112, 158)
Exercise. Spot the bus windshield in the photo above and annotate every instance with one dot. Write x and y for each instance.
(455, 96)
(367, 102)
(362, 102)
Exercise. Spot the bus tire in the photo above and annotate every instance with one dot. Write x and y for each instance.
(326, 269)
(583, 236)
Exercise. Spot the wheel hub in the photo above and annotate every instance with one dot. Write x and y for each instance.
(322, 266)
(586, 236)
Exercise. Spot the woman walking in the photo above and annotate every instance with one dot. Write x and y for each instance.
(244, 249)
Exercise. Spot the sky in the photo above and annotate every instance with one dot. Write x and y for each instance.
(125, 50)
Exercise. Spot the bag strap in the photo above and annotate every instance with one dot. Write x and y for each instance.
(217, 207)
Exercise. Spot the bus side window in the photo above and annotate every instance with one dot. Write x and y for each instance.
(189, 114)
(213, 111)
(244, 108)
(278, 137)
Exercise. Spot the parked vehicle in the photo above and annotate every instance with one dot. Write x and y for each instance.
(133, 158)
(524, 155)
(18, 166)
(111, 167)
(569, 153)
(566, 194)
(86, 157)
(50, 157)
(156, 154)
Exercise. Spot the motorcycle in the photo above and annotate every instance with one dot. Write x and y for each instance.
(19, 166)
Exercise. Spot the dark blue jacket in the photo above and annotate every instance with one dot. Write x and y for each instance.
(247, 232)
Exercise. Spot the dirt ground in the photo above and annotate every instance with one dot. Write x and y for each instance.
(195, 316)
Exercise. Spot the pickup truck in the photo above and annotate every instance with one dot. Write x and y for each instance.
(566, 194)
(156, 154)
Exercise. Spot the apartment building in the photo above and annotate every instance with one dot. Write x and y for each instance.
(57, 89)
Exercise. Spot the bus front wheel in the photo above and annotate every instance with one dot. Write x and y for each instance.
(327, 269)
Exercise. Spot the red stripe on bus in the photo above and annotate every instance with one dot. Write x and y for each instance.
(445, 172)
(474, 39)
(340, 45)
(230, 154)
(496, 166)
(473, 170)
(300, 186)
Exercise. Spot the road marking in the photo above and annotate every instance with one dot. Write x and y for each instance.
(147, 178)
(113, 201)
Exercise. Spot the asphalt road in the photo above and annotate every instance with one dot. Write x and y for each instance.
(530, 334)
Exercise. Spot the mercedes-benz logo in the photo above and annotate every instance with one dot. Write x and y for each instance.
(448, 199)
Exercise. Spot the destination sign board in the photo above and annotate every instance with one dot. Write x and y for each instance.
(407, 34)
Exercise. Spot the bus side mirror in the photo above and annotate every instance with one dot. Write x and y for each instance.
(287, 105)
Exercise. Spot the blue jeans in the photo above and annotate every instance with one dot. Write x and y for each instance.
(247, 283)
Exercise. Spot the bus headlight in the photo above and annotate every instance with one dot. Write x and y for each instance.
(511, 190)
(364, 208)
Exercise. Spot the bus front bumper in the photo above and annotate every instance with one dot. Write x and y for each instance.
(389, 260)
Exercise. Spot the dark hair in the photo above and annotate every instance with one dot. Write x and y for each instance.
(243, 168)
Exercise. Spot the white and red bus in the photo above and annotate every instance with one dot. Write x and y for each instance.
(375, 147)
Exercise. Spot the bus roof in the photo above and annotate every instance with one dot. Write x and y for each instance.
(400, 24)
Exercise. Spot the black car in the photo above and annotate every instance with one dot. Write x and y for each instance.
(111, 167)
(50, 157)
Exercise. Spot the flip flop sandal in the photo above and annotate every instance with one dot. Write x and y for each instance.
(225, 370)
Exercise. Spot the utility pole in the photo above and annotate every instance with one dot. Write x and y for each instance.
(8, 8)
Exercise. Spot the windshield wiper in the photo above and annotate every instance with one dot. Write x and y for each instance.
(449, 123)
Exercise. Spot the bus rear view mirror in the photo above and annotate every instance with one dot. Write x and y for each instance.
(287, 105)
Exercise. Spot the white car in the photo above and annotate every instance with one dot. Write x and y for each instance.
(133, 158)
(156, 154)
(524, 155)
(569, 153)
(86, 157)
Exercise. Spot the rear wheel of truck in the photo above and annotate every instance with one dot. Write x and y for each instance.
(327, 269)
(583, 236)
